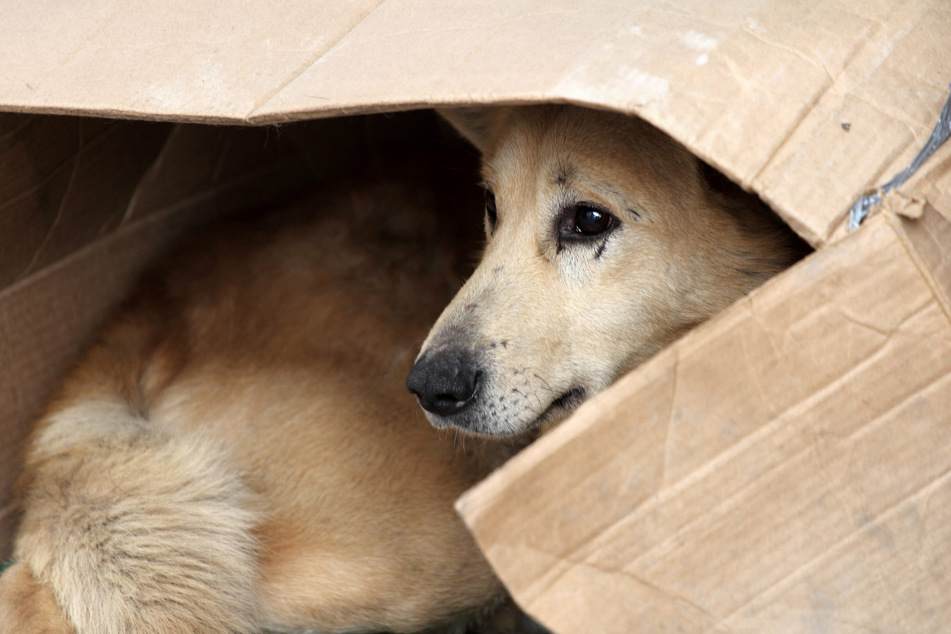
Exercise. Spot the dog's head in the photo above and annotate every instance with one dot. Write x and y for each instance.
(605, 241)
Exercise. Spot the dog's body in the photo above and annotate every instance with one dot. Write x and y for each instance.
(236, 453)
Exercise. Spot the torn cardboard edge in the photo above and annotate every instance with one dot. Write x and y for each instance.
(927, 235)
(860, 210)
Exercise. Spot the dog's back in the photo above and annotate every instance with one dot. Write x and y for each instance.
(236, 451)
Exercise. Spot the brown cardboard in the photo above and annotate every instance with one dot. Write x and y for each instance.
(808, 105)
(782, 468)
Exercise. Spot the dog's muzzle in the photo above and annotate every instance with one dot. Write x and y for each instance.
(446, 382)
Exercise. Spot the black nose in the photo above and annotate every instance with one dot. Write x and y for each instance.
(445, 383)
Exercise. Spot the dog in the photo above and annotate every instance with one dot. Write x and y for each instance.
(606, 241)
(236, 451)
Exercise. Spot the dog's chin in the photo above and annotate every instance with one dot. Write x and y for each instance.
(560, 409)
(471, 422)
(474, 426)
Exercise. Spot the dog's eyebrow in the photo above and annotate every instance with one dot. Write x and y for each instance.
(561, 175)
(562, 172)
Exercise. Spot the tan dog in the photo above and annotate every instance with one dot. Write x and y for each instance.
(236, 452)
(606, 241)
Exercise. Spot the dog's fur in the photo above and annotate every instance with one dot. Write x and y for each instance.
(552, 315)
(236, 451)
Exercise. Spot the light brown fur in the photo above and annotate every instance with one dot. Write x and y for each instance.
(29, 607)
(236, 451)
(548, 320)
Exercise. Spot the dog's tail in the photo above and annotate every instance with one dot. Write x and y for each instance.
(134, 528)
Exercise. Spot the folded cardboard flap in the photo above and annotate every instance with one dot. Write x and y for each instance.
(931, 238)
(783, 468)
(809, 105)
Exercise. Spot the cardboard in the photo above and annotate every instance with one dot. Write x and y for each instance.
(807, 105)
(779, 469)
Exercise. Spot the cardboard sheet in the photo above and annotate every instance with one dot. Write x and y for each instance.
(783, 468)
(807, 104)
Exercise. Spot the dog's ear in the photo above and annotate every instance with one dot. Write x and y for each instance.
(474, 123)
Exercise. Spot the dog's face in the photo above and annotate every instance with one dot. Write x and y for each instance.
(604, 243)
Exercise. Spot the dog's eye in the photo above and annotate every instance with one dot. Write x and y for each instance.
(590, 221)
(585, 220)
(490, 211)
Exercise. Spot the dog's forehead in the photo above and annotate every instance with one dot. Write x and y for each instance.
(564, 144)
(536, 134)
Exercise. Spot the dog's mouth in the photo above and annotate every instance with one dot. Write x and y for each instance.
(562, 406)
(557, 410)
